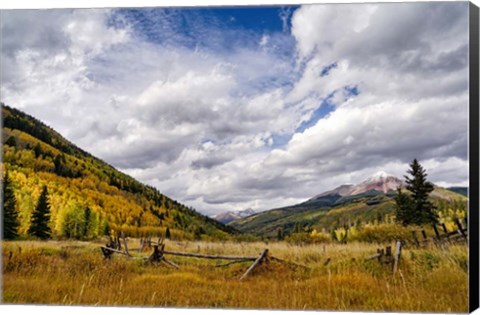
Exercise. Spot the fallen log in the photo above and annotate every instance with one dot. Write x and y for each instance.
(260, 258)
(374, 256)
(209, 256)
(170, 263)
(113, 250)
(232, 262)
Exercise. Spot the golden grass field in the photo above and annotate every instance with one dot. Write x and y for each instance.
(75, 273)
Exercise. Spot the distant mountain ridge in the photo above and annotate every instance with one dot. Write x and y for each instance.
(366, 201)
(459, 190)
(229, 216)
(377, 184)
(380, 181)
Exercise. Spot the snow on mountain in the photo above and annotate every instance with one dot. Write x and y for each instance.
(229, 216)
(380, 181)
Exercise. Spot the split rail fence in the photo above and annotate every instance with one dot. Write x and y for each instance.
(442, 235)
(384, 255)
(159, 252)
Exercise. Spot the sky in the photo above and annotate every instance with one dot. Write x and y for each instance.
(225, 109)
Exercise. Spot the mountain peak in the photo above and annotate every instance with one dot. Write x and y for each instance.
(226, 217)
(380, 181)
(379, 176)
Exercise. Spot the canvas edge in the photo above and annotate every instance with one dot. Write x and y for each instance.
(474, 158)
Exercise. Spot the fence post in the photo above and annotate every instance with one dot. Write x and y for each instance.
(125, 243)
(445, 230)
(436, 232)
(260, 258)
(396, 259)
(414, 233)
(424, 235)
(460, 229)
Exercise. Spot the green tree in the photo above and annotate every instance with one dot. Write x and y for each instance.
(279, 234)
(11, 141)
(106, 228)
(415, 207)
(40, 217)
(296, 228)
(10, 213)
(167, 233)
(403, 208)
(86, 218)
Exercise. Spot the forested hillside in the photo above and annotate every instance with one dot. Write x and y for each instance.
(334, 212)
(87, 196)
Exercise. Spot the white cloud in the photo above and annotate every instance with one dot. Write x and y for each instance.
(219, 128)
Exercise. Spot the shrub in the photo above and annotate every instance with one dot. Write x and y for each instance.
(381, 233)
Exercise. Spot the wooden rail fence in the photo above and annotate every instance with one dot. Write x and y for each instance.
(460, 234)
(385, 256)
(159, 252)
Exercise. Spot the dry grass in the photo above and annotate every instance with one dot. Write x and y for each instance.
(75, 273)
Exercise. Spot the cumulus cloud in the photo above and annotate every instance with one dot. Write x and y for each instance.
(226, 119)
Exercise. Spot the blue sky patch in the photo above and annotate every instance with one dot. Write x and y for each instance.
(325, 108)
(327, 69)
(351, 90)
(215, 28)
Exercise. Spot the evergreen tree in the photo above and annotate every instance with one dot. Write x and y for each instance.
(416, 208)
(10, 213)
(106, 229)
(279, 234)
(296, 229)
(11, 141)
(86, 218)
(41, 217)
(167, 233)
(403, 208)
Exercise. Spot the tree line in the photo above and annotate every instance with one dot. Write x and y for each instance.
(40, 219)
(39, 226)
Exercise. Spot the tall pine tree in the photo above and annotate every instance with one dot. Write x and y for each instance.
(41, 217)
(403, 212)
(416, 208)
(86, 224)
(10, 213)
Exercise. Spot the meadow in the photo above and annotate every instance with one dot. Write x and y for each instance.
(430, 279)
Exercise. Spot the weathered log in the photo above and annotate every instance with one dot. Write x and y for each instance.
(396, 260)
(260, 258)
(170, 263)
(107, 253)
(377, 255)
(461, 231)
(445, 230)
(388, 251)
(209, 256)
(232, 262)
(125, 244)
(113, 250)
(437, 234)
(157, 254)
(118, 245)
(424, 234)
